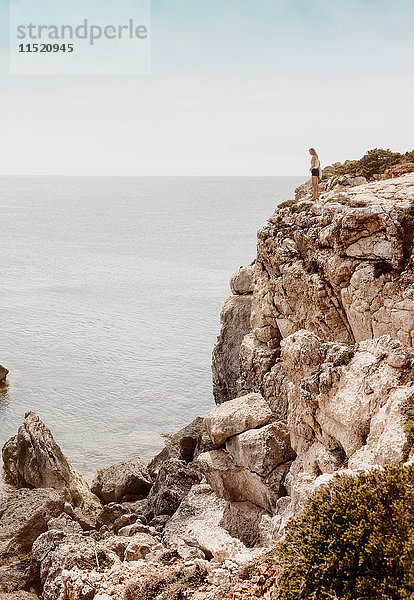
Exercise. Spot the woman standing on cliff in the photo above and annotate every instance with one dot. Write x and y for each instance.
(315, 170)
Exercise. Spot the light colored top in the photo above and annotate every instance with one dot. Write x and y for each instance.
(317, 162)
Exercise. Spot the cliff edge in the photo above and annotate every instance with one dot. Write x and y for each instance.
(330, 342)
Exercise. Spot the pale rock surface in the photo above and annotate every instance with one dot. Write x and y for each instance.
(237, 484)
(236, 416)
(242, 281)
(128, 479)
(56, 551)
(195, 531)
(341, 267)
(347, 409)
(261, 450)
(275, 388)
(330, 182)
(33, 459)
(136, 527)
(346, 404)
(332, 332)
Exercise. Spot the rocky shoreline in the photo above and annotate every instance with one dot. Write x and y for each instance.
(313, 376)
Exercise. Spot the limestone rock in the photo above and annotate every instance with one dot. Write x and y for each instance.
(330, 347)
(242, 281)
(340, 267)
(128, 479)
(24, 515)
(116, 544)
(235, 324)
(348, 402)
(33, 459)
(330, 182)
(172, 484)
(261, 450)
(235, 483)
(236, 416)
(137, 527)
(194, 530)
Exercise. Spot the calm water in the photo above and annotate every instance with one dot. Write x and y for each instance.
(110, 299)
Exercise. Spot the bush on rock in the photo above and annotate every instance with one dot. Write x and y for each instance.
(355, 539)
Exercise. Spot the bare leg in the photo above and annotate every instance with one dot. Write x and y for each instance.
(315, 185)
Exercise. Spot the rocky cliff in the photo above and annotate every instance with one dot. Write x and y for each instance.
(313, 375)
(330, 346)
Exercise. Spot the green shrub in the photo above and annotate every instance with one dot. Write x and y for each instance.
(409, 156)
(374, 162)
(301, 207)
(409, 425)
(287, 203)
(354, 541)
(346, 357)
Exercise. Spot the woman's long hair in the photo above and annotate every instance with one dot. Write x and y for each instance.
(313, 152)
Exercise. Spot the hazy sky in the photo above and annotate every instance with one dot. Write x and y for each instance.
(238, 87)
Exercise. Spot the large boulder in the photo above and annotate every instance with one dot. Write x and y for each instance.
(33, 459)
(236, 416)
(126, 480)
(262, 450)
(24, 515)
(242, 281)
(237, 484)
(173, 482)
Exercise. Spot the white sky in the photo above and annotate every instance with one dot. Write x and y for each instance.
(240, 90)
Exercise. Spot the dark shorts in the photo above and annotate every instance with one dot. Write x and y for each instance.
(315, 172)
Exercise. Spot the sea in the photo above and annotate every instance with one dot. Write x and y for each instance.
(110, 299)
